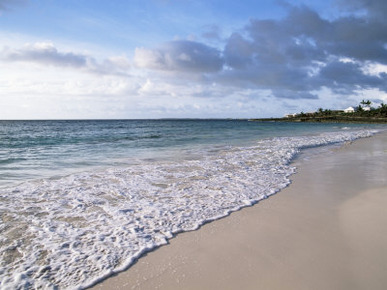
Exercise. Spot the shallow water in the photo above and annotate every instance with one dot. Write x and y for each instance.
(98, 194)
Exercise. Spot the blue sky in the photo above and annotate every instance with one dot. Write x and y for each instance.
(183, 58)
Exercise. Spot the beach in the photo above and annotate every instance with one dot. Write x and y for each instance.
(327, 230)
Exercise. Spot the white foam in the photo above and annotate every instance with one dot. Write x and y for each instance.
(73, 231)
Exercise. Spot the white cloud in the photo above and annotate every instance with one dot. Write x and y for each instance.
(375, 69)
(46, 54)
(180, 56)
(147, 58)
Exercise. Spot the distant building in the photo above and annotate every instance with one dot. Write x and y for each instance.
(349, 110)
(366, 108)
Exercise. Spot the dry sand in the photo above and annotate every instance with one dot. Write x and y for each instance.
(327, 230)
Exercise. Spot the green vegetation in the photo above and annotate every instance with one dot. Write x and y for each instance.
(363, 113)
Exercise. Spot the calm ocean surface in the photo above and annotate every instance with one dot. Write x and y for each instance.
(81, 200)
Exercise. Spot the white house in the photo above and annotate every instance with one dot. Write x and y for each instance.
(349, 110)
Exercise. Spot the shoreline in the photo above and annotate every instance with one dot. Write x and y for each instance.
(306, 236)
(331, 119)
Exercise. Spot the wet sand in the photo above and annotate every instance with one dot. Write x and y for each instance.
(327, 230)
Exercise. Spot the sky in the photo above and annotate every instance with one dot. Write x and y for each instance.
(99, 59)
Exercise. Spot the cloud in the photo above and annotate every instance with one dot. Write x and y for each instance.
(301, 53)
(117, 65)
(293, 57)
(349, 77)
(373, 8)
(180, 56)
(359, 37)
(46, 54)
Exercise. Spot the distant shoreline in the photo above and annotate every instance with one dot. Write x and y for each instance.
(326, 119)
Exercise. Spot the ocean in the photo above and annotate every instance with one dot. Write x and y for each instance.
(82, 200)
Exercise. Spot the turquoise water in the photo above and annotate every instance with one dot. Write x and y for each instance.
(82, 200)
(42, 149)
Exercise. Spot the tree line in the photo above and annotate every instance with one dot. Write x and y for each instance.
(364, 109)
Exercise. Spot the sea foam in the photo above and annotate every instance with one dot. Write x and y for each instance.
(73, 231)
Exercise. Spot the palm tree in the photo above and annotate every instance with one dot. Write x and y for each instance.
(383, 109)
(328, 112)
(366, 103)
